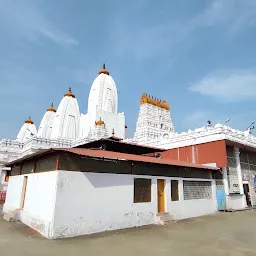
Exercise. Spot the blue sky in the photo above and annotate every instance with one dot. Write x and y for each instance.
(199, 55)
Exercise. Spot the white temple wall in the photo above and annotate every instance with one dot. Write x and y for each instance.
(113, 121)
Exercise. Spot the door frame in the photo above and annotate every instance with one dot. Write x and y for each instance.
(161, 207)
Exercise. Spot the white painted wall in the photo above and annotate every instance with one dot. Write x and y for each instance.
(14, 193)
(65, 204)
(39, 201)
(235, 202)
(92, 202)
(184, 209)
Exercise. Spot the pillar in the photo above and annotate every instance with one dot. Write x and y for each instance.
(181, 194)
(214, 189)
(225, 180)
(239, 170)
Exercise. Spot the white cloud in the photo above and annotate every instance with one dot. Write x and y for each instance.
(22, 18)
(233, 86)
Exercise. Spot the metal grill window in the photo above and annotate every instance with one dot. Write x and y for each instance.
(142, 190)
(232, 175)
(197, 190)
(219, 184)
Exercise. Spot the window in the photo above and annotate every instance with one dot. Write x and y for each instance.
(197, 190)
(175, 190)
(142, 190)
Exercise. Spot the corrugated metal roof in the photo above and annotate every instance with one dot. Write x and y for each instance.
(112, 155)
(121, 141)
(131, 157)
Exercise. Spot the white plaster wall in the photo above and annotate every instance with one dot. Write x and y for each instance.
(14, 193)
(91, 202)
(192, 208)
(88, 203)
(236, 202)
(39, 202)
(184, 209)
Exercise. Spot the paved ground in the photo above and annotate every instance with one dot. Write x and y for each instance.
(223, 234)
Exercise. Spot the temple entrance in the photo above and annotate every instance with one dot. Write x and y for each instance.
(160, 195)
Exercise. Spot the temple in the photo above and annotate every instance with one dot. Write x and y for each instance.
(155, 176)
(67, 126)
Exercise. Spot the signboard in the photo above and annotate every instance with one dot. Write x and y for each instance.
(235, 188)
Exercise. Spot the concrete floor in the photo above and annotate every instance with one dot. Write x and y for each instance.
(222, 234)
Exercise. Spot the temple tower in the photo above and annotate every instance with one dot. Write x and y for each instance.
(154, 121)
(66, 123)
(103, 104)
(45, 127)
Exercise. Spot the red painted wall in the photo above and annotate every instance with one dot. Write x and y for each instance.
(211, 152)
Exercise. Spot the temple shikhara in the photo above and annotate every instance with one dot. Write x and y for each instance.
(78, 173)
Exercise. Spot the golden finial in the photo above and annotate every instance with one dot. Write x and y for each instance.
(99, 122)
(29, 121)
(51, 108)
(69, 93)
(104, 71)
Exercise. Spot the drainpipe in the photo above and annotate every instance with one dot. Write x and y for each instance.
(58, 162)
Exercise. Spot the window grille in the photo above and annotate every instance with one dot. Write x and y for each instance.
(197, 190)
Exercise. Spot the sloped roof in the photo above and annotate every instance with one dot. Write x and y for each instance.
(97, 153)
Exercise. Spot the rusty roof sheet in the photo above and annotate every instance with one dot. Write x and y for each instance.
(97, 153)
(130, 157)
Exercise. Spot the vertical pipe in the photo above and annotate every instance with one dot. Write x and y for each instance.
(58, 161)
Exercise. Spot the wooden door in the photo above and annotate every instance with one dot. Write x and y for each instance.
(160, 195)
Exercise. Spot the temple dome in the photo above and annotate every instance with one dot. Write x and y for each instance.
(67, 119)
(27, 131)
(103, 93)
(45, 127)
